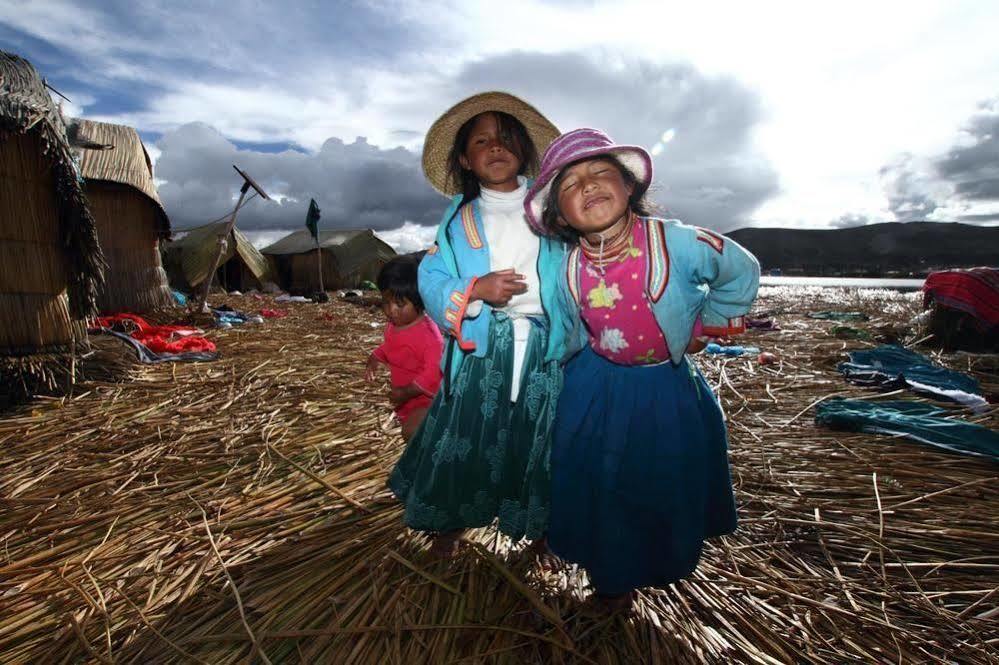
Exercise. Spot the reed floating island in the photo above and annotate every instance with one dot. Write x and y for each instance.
(236, 512)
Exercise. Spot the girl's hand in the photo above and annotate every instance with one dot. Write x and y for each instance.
(371, 369)
(498, 287)
(402, 394)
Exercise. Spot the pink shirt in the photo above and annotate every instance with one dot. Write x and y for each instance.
(616, 308)
(413, 355)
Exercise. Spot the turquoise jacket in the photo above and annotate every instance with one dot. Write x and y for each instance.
(691, 272)
(449, 271)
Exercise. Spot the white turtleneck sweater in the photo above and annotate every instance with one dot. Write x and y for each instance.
(512, 244)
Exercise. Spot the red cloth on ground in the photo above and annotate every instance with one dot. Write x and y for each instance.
(413, 355)
(975, 291)
(273, 313)
(160, 339)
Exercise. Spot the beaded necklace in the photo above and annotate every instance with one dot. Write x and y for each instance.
(610, 250)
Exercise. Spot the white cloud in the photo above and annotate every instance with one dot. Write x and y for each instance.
(960, 183)
(154, 155)
(261, 239)
(76, 105)
(409, 237)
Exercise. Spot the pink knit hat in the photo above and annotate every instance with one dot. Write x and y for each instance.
(574, 146)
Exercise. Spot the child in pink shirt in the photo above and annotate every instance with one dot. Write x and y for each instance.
(412, 347)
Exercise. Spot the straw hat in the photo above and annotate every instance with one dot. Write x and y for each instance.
(441, 135)
(572, 147)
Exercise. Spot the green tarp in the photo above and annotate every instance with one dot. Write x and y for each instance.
(917, 421)
(830, 315)
(890, 366)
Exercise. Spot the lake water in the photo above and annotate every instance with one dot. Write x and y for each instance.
(844, 282)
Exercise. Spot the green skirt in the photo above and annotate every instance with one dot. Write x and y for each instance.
(478, 456)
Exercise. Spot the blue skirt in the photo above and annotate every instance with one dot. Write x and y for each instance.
(640, 472)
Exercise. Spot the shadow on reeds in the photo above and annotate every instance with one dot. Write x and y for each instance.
(365, 589)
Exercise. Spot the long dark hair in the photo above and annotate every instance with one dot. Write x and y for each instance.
(638, 203)
(515, 138)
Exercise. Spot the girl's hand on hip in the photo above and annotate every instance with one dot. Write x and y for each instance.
(498, 287)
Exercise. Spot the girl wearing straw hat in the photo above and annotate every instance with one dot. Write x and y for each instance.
(490, 283)
(639, 468)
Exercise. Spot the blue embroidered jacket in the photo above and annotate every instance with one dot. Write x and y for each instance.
(690, 271)
(450, 269)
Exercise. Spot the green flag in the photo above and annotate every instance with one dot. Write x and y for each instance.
(312, 220)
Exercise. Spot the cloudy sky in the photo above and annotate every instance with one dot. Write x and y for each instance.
(767, 113)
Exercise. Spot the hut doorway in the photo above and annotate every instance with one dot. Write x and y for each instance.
(233, 275)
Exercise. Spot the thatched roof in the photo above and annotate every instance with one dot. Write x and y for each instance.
(352, 248)
(25, 106)
(197, 251)
(302, 241)
(126, 162)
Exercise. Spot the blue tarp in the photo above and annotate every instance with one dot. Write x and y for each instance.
(889, 367)
(226, 317)
(732, 350)
(914, 420)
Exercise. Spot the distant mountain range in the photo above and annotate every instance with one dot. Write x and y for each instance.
(876, 250)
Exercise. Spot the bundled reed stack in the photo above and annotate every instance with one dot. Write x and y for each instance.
(51, 264)
(349, 257)
(130, 218)
(189, 260)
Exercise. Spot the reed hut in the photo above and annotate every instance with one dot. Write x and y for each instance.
(51, 264)
(130, 218)
(189, 260)
(348, 256)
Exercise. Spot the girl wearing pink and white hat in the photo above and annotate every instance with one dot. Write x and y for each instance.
(640, 473)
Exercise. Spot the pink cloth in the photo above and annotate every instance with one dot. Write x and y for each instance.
(413, 355)
(617, 311)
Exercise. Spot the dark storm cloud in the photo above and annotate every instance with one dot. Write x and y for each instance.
(709, 174)
(356, 184)
(973, 167)
(954, 183)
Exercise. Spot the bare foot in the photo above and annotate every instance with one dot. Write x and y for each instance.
(445, 544)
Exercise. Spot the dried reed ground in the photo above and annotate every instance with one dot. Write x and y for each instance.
(235, 512)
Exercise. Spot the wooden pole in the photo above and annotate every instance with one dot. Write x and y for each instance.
(223, 238)
(319, 260)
